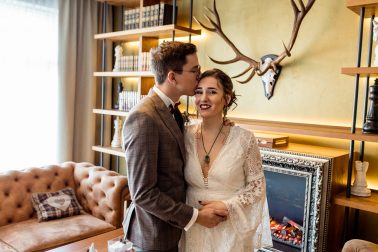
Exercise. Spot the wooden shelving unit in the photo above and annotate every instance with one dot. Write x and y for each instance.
(128, 3)
(109, 150)
(161, 32)
(362, 71)
(145, 39)
(123, 74)
(305, 129)
(112, 112)
(365, 9)
(369, 204)
(370, 6)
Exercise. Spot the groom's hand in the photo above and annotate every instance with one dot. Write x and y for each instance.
(210, 217)
(214, 204)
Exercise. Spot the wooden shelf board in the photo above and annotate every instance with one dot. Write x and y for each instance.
(305, 129)
(123, 74)
(369, 204)
(113, 112)
(363, 71)
(164, 31)
(109, 150)
(127, 3)
(371, 6)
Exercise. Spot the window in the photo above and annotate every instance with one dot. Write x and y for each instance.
(28, 83)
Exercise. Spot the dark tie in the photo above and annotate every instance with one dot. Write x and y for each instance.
(177, 114)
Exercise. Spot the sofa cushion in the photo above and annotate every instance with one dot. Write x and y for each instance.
(55, 205)
(31, 235)
(16, 188)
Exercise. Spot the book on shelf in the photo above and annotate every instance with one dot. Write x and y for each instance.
(128, 63)
(158, 14)
(127, 100)
(166, 14)
(145, 64)
(131, 19)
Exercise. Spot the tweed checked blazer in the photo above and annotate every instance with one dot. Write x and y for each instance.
(155, 159)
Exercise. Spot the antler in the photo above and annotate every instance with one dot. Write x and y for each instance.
(299, 14)
(254, 65)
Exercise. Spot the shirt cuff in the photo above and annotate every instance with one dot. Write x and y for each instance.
(192, 220)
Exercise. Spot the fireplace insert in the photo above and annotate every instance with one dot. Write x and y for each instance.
(298, 189)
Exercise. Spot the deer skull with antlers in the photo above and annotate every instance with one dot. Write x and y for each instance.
(269, 68)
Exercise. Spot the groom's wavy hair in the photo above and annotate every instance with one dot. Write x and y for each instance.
(225, 81)
(168, 56)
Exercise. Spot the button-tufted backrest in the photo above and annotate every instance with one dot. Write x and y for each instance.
(101, 192)
(16, 188)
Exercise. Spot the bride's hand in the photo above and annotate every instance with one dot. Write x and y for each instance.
(214, 204)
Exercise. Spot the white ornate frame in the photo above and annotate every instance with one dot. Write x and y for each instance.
(317, 170)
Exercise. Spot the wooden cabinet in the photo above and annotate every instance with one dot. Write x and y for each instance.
(145, 39)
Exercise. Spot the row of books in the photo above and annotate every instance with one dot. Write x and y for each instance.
(128, 99)
(146, 61)
(152, 15)
(130, 63)
(127, 63)
(131, 19)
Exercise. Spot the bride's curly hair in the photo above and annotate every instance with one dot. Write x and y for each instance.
(225, 81)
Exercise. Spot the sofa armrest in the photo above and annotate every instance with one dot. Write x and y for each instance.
(101, 192)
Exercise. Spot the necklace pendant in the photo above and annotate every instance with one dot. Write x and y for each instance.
(207, 159)
(206, 182)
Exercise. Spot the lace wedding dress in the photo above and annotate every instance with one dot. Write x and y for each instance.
(236, 177)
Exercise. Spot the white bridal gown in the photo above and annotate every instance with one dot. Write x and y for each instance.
(236, 177)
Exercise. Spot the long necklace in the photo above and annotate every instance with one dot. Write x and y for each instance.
(207, 153)
(207, 157)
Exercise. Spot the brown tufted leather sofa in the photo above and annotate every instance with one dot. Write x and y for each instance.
(101, 193)
(356, 245)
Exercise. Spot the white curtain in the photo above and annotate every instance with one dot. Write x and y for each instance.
(28, 83)
(77, 61)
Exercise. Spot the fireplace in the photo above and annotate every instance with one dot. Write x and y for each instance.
(299, 190)
(289, 188)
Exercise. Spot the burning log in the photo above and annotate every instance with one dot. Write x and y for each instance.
(288, 231)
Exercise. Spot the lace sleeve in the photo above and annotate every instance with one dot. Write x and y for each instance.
(248, 210)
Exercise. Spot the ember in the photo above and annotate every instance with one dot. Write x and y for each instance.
(287, 232)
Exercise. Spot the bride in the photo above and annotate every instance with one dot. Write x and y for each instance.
(224, 171)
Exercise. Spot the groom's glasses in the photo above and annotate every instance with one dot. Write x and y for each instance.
(196, 71)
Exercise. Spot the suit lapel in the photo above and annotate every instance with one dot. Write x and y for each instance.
(169, 122)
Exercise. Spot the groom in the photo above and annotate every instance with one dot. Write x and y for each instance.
(155, 155)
